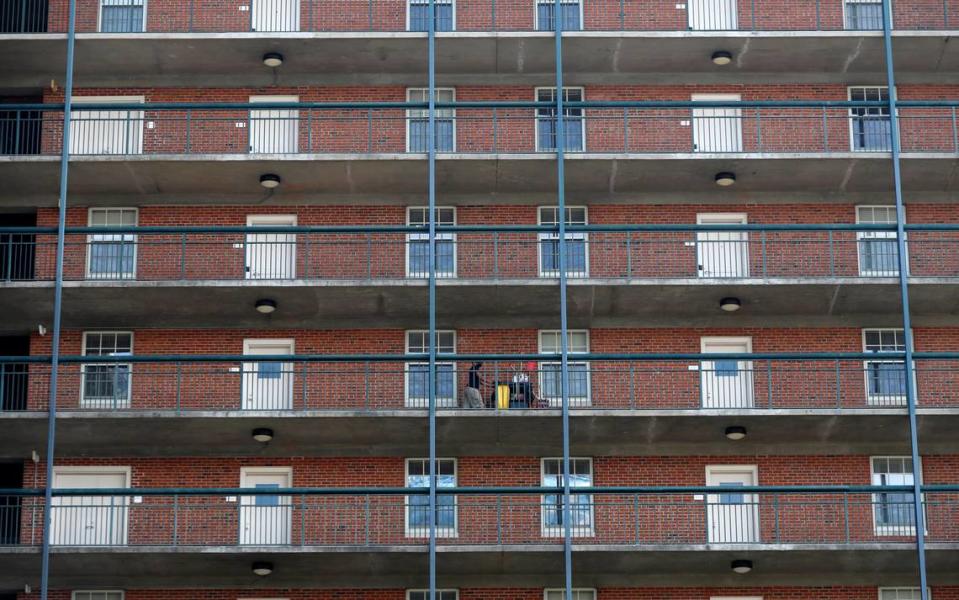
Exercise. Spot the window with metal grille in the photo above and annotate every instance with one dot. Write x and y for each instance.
(417, 373)
(107, 385)
(574, 122)
(97, 595)
(417, 121)
(580, 505)
(571, 12)
(878, 250)
(885, 379)
(902, 593)
(112, 255)
(418, 512)
(122, 16)
(893, 512)
(551, 372)
(577, 243)
(419, 15)
(418, 244)
(863, 15)
(870, 127)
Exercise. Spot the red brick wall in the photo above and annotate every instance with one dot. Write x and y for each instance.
(510, 15)
(775, 384)
(619, 518)
(512, 130)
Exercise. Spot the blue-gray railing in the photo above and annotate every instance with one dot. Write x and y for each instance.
(634, 127)
(385, 384)
(285, 16)
(479, 252)
(477, 516)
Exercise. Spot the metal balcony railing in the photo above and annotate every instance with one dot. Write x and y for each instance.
(285, 16)
(480, 253)
(658, 128)
(386, 384)
(760, 517)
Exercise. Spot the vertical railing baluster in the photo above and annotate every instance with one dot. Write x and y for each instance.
(955, 132)
(369, 14)
(369, 256)
(776, 524)
(176, 519)
(832, 255)
(366, 520)
(495, 131)
(769, 382)
(636, 519)
(183, 256)
(838, 385)
(825, 130)
(179, 388)
(752, 14)
(629, 255)
(625, 129)
(762, 238)
(304, 376)
(759, 130)
(192, 9)
(818, 16)
(495, 255)
(493, 15)
(499, 519)
(303, 509)
(845, 513)
(366, 386)
(189, 120)
(369, 129)
(632, 385)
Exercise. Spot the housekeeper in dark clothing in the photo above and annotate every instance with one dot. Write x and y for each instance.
(472, 398)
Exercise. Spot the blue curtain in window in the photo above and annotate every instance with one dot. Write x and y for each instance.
(872, 133)
(419, 381)
(895, 510)
(863, 17)
(572, 133)
(575, 256)
(887, 379)
(879, 255)
(121, 19)
(568, 10)
(419, 509)
(419, 138)
(420, 14)
(111, 259)
(419, 251)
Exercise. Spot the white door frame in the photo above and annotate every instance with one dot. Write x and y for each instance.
(750, 499)
(741, 242)
(123, 515)
(296, 17)
(734, 15)
(733, 114)
(136, 115)
(744, 366)
(294, 116)
(249, 372)
(285, 501)
(288, 239)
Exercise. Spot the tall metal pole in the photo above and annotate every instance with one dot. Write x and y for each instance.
(57, 305)
(904, 292)
(563, 324)
(431, 204)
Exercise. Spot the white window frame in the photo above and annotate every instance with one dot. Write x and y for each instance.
(845, 14)
(407, 401)
(100, 18)
(83, 374)
(111, 237)
(866, 235)
(900, 401)
(575, 592)
(410, 3)
(449, 113)
(582, 118)
(419, 237)
(536, 23)
(441, 532)
(455, 592)
(896, 530)
(127, 473)
(897, 588)
(579, 236)
(558, 402)
(73, 594)
(852, 117)
(553, 531)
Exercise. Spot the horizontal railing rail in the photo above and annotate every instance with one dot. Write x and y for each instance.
(262, 255)
(874, 382)
(663, 128)
(758, 516)
(286, 16)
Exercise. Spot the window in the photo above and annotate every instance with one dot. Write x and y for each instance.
(581, 505)
(570, 10)
(870, 129)
(417, 374)
(106, 385)
(574, 123)
(419, 15)
(418, 244)
(893, 512)
(902, 593)
(97, 595)
(551, 372)
(112, 255)
(577, 594)
(425, 595)
(878, 250)
(577, 251)
(418, 510)
(122, 16)
(885, 379)
(417, 121)
(863, 15)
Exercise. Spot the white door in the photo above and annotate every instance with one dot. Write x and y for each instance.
(99, 132)
(89, 520)
(267, 385)
(274, 131)
(717, 129)
(727, 383)
(722, 253)
(271, 255)
(275, 15)
(265, 519)
(732, 517)
(712, 15)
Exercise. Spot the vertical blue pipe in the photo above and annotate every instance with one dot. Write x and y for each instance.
(431, 192)
(57, 304)
(563, 325)
(904, 292)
